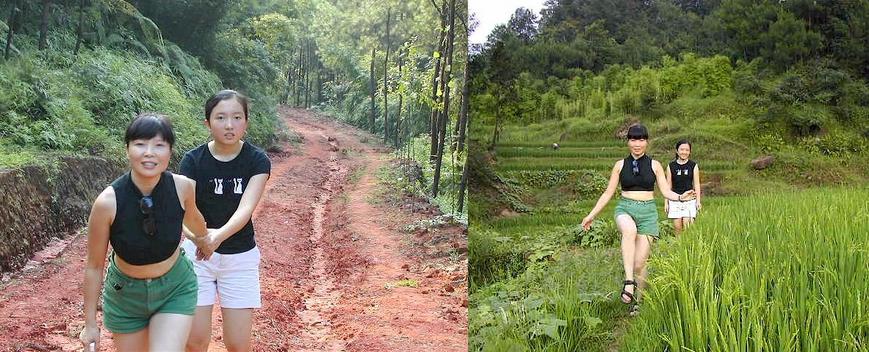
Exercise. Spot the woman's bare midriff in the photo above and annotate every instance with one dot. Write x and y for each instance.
(638, 195)
(148, 271)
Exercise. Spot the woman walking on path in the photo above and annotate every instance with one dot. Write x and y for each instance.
(683, 174)
(230, 176)
(149, 295)
(636, 215)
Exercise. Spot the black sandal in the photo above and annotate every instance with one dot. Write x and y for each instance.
(625, 292)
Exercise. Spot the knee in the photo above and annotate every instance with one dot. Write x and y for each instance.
(233, 346)
(197, 343)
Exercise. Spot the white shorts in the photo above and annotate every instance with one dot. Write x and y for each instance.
(686, 209)
(233, 277)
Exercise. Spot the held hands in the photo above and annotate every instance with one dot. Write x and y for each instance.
(586, 222)
(688, 195)
(206, 245)
(90, 338)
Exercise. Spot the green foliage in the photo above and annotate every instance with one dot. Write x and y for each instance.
(85, 105)
(798, 269)
(561, 304)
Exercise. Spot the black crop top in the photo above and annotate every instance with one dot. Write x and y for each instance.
(682, 176)
(644, 181)
(127, 236)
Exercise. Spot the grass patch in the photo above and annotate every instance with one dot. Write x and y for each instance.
(776, 272)
(403, 283)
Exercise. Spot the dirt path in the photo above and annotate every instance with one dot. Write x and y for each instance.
(337, 273)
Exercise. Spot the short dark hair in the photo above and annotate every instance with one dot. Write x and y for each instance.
(148, 125)
(226, 94)
(682, 141)
(638, 131)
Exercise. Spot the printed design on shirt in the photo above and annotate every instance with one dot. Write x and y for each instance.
(218, 185)
(237, 188)
(237, 185)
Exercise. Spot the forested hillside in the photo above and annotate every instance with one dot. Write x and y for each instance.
(793, 71)
(74, 72)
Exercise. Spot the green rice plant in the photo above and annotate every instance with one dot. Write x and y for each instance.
(775, 272)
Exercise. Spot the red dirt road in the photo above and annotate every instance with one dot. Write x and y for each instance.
(338, 269)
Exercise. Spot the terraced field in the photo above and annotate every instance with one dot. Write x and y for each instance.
(597, 155)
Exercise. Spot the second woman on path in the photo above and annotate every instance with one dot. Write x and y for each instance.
(230, 176)
(636, 214)
(683, 174)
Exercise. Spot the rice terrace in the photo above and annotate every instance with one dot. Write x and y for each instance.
(777, 258)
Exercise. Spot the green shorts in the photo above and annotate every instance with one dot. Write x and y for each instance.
(644, 213)
(129, 304)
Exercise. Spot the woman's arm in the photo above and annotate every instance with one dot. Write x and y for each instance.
(669, 182)
(697, 184)
(100, 221)
(664, 185)
(606, 196)
(249, 199)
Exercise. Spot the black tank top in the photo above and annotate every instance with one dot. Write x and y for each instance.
(644, 181)
(682, 176)
(127, 236)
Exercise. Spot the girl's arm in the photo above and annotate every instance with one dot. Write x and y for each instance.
(669, 182)
(249, 199)
(194, 223)
(664, 185)
(606, 196)
(697, 184)
(100, 220)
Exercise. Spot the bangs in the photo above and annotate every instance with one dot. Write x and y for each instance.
(150, 125)
(638, 131)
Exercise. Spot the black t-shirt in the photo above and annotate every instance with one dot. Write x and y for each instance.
(682, 176)
(220, 185)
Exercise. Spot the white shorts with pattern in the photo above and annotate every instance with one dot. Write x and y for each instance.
(234, 278)
(686, 209)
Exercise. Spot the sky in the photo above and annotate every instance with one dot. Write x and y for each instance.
(491, 13)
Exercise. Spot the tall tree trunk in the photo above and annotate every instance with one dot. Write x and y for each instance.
(307, 74)
(296, 87)
(386, 81)
(463, 113)
(9, 36)
(285, 98)
(80, 30)
(433, 121)
(43, 24)
(400, 100)
(445, 115)
(463, 184)
(497, 121)
(373, 87)
(319, 85)
(290, 72)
